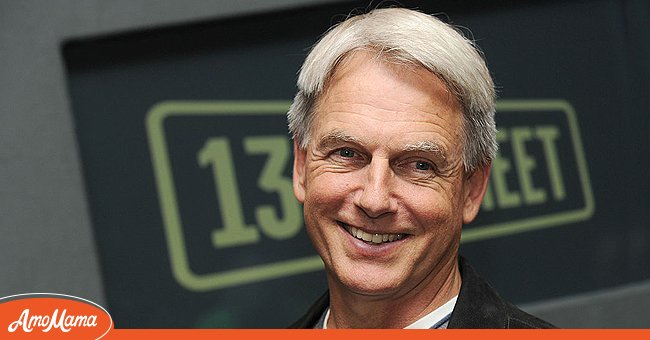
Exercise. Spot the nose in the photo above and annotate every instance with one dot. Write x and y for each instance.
(375, 197)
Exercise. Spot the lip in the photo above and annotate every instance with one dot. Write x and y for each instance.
(370, 248)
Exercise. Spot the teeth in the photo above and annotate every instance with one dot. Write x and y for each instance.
(372, 238)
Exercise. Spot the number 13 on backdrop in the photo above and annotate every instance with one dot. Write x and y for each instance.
(223, 173)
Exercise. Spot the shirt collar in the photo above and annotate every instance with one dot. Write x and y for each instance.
(436, 317)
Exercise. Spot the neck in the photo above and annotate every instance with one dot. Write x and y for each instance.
(353, 310)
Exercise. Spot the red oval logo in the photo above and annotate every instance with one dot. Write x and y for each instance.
(48, 316)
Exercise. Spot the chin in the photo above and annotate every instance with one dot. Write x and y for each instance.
(370, 282)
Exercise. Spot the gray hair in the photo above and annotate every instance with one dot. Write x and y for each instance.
(404, 36)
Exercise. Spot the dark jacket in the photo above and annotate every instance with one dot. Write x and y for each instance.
(478, 306)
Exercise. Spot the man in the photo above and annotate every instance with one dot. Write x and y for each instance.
(393, 128)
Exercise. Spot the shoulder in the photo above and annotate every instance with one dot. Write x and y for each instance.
(517, 318)
(480, 306)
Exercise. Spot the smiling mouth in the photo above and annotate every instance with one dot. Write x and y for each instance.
(372, 238)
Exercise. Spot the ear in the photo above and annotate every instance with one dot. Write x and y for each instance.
(475, 188)
(299, 172)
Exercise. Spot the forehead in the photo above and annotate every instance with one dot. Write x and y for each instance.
(389, 100)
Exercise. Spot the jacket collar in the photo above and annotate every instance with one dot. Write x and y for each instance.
(478, 304)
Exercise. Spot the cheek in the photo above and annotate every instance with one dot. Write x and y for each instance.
(436, 212)
(325, 197)
(328, 188)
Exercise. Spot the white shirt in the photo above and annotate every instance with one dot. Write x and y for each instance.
(428, 321)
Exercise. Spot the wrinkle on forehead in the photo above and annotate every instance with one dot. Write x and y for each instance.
(413, 76)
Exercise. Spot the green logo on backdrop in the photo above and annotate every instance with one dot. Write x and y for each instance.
(539, 177)
(540, 174)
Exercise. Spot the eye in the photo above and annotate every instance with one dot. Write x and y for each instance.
(347, 157)
(347, 153)
(423, 166)
(416, 168)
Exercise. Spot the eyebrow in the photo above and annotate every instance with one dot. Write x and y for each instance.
(336, 137)
(439, 151)
(427, 146)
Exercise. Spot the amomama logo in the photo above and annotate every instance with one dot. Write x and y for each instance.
(48, 316)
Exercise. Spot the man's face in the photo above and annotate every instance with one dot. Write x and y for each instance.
(382, 179)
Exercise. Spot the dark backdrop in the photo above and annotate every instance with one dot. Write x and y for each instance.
(186, 158)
